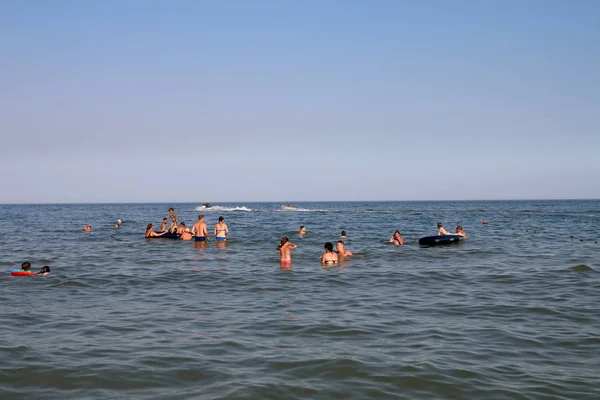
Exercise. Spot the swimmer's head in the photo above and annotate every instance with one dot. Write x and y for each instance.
(45, 270)
(25, 266)
(397, 232)
(343, 233)
(458, 228)
(119, 221)
(328, 246)
(221, 218)
(439, 224)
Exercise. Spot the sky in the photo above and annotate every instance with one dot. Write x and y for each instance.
(298, 100)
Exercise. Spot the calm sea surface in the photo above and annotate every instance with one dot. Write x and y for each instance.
(512, 313)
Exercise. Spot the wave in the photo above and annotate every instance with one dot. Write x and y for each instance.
(222, 208)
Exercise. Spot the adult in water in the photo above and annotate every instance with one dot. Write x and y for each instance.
(186, 235)
(460, 232)
(343, 236)
(181, 228)
(341, 249)
(44, 271)
(118, 223)
(285, 257)
(221, 230)
(441, 230)
(199, 229)
(150, 233)
(396, 239)
(329, 257)
(302, 231)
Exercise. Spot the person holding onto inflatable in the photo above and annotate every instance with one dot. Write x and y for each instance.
(181, 228)
(341, 250)
(460, 232)
(285, 246)
(441, 230)
(150, 233)
(199, 229)
(396, 239)
(26, 267)
(329, 257)
(221, 230)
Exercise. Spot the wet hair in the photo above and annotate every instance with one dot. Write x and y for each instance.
(284, 240)
(26, 265)
(149, 227)
(45, 269)
(439, 225)
(221, 218)
(343, 233)
(329, 246)
(459, 228)
(200, 217)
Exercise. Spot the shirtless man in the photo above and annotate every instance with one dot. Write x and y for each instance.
(460, 232)
(441, 230)
(181, 228)
(199, 229)
(341, 250)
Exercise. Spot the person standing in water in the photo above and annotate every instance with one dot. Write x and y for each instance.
(221, 230)
(341, 249)
(285, 257)
(396, 239)
(199, 229)
(329, 257)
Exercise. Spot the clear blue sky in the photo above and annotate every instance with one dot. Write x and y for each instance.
(127, 101)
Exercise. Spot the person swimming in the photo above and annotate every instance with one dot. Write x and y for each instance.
(87, 228)
(343, 236)
(285, 246)
(118, 223)
(26, 267)
(396, 239)
(329, 257)
(460, 232)
(221, 230)
(44, 271)
(302, 231)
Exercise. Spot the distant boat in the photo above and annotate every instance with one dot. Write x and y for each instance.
(288, 207)
(206, 205)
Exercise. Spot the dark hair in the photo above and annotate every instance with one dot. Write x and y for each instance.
(302, 226)
(45, 269)
(459, 227)
(284, 240)
(171, 209)
(149, 227)
(25, 265)
(165, 218)
(398, 232)
(221, 218)
(182, 223)
(439, 224)
(329, 246)
(343, 233)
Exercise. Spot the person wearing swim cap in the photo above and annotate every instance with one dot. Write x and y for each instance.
(118, 223)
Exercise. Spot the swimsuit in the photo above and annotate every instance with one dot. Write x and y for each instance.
(200, 238)
(285, 261)
(221, 238)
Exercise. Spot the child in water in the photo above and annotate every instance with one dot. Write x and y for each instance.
(26, 267)
(284, 250)
(44, 271)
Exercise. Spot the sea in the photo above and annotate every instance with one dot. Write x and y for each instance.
(512, 312)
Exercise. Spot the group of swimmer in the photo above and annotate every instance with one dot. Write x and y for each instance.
(199, 231)
(26, 267)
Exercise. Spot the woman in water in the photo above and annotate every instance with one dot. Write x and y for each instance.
(150, 233)
(221, 230)
(329, 257)
(397, 239)
(44, 271)
(460, 232)
(284, 251)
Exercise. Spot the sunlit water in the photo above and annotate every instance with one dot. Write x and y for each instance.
(512, 313)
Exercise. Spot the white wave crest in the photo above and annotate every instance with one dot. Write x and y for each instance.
(221, 208)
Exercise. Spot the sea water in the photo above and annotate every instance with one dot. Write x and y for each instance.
(511, 313)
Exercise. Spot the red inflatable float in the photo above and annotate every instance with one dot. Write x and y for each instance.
(17, 272)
